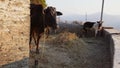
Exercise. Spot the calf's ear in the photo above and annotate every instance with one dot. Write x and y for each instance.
(59, 13)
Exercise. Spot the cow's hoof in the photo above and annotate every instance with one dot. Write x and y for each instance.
(37, 51)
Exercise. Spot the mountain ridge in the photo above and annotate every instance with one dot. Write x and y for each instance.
(109, 20)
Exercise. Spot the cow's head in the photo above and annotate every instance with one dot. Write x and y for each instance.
(50, 16)
(99, 25)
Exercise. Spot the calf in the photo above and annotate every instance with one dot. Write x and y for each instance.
(92, 25)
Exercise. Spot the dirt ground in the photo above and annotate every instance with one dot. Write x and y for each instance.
(68, 51)
(64, 50)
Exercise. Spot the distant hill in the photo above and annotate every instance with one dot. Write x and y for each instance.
(109, 20)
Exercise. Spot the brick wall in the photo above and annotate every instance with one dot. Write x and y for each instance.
(14, 31)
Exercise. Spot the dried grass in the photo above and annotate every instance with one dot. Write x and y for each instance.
(64, 38)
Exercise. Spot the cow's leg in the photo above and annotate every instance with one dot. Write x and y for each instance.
(86, 32)
(35, 40)
(30, 40)
(30, 43)
(96, 31)
(37, 44)
(48, 32)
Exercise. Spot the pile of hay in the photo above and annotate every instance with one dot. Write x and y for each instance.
(64, 38)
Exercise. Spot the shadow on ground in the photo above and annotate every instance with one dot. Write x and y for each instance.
(17, 64)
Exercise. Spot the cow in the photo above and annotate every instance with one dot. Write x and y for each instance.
(92, 25)
(51, 17)
(41, 19)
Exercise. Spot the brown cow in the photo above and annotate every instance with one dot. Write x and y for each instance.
(41, 19)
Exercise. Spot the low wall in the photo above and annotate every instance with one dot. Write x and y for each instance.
(112, 37)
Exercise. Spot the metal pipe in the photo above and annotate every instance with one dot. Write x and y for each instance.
(101, 18)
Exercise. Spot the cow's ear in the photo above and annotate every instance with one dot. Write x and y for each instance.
(98, 21)
(59, 13)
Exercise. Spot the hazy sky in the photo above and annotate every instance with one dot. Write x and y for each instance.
(85, 6)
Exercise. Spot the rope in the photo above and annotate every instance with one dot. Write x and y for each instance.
(44, 40)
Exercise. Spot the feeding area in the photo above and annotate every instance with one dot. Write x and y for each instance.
(65, 49)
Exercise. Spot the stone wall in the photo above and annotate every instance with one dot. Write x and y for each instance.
(14, 32)
(112, 37)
